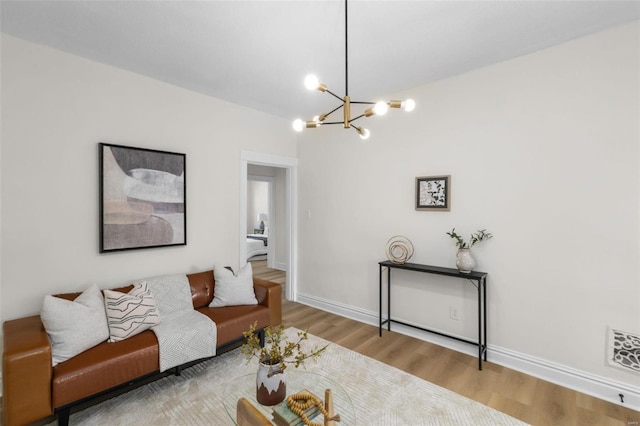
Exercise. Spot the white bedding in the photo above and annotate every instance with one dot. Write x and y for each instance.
(255, 248)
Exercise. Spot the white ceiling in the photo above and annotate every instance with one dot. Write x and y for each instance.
(257, 53)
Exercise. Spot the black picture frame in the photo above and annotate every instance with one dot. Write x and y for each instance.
(433, 193)
(143, 198)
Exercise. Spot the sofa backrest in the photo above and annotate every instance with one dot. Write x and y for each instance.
(202, 284)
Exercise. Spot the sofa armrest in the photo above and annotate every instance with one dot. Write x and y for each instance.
(26, 371)
(269, 294)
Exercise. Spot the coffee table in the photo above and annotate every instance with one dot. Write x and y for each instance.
(297, 380)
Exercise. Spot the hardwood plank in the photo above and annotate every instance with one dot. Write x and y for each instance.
(261, 270)
(524, 397)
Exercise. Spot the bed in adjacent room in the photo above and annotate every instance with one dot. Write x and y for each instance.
(256, 245)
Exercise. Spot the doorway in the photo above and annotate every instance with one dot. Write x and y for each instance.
(281, 174)
(264, 213)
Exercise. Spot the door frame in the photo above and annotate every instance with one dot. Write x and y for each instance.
(291, 210)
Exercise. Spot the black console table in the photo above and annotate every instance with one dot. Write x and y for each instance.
(478, 279)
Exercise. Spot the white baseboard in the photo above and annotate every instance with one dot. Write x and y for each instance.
(282, 266)
(581, 381)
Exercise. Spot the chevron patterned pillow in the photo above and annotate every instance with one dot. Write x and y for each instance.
(130, 313)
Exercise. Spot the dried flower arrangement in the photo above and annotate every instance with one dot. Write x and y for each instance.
(277, 349)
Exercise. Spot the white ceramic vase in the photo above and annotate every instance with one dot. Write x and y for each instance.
(271, 385)
(465, 261)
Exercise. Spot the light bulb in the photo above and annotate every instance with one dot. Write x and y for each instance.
(364, 134)
(381, 108)
(311, 82)
(298, 125)
(409, 105)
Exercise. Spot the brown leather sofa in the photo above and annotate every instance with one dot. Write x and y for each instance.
(34, 390)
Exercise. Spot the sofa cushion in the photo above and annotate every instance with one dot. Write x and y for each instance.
(74, 326)
(131, 313)
(233, 289)
(232, 321)
(201, 284)
(104, 367)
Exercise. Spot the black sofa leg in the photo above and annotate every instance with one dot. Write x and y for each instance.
(261, 337)
(178, 371)
(63, 417)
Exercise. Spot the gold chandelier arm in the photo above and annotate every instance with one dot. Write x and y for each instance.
(358, 117)
(331, 122)
(324, 116)
(347, 112)
(333, 94)
(364, 133)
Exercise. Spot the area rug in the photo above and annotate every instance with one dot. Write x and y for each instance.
(381, 395)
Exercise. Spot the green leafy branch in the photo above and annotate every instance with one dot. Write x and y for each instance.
(476, 238)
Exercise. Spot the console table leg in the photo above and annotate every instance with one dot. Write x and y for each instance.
(479, 326)
(484, 301)
(380, 301)
(389, 299)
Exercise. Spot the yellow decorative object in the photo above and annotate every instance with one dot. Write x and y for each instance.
(301, 401)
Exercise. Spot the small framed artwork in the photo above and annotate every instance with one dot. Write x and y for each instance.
(433, 193)
(142, 198)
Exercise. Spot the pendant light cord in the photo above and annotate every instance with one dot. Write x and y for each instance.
(346, 52)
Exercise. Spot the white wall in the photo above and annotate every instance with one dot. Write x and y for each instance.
(257, 202)
(55, 109)
(543, 151)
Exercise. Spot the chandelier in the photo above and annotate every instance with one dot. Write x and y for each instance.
(311, 82)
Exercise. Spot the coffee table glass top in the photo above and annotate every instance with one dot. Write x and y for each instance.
(297, 380)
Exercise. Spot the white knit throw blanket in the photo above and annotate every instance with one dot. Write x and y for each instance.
(184, 334)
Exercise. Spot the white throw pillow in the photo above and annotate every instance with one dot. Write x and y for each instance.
(74, 326)
(231, 290)
(131, 313)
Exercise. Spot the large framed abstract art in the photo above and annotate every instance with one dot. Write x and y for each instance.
(142, 198)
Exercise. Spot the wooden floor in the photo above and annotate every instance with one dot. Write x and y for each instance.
(261, 270)
(524, 397)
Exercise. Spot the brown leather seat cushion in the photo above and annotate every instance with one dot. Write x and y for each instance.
(104, 366)
(111, 364)
(232, 321)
